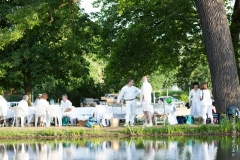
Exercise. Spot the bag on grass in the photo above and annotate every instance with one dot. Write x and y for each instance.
(181, 119)
(189, 119)
(90, 122)
(64, 121)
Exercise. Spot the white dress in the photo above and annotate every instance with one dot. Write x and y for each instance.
(170, 110)
(194, 97)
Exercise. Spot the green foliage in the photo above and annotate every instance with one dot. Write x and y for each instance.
(183, 97)
(51, 40)
(139, 40)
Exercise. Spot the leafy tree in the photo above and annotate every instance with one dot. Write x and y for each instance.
(139, 37)
(52, 38)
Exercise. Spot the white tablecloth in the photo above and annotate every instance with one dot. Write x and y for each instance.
(10, 113)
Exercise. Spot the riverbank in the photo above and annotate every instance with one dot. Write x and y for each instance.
(223, 129)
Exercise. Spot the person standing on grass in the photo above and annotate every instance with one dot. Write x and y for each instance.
(129, 93)
(206, 102)
(194, 100)
(145, 99)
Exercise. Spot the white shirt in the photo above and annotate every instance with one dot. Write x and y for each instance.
(146, 90)
(3, 103)
(24, 105)
(42, 102)
(128, 93)
(207, 100)
(67, 104)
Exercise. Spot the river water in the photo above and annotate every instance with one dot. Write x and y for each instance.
(163, 148)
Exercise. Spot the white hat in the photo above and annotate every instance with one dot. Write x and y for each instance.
(40, 95)
(1, 97)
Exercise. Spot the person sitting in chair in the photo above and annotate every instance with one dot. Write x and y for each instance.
(170, 110)
(3, 104)
(67, 105)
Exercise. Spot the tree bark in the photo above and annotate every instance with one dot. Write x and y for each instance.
(28, 91)
(220, 52)
(235, 30)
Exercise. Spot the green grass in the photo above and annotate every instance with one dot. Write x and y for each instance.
(66, 132)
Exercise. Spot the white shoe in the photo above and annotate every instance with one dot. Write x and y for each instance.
(132, 125)
(124, 125)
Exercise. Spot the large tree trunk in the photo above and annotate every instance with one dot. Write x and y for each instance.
(220, 52)
(235, 30)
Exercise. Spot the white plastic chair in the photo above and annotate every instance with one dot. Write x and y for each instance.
(18, 113)
(159, 117)
(3, 116)
(40, 112)
(53, 111)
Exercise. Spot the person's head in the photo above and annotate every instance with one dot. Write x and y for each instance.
(169, 100)
(195, 85)
(130, 82)
(64, 97)
(25, 97)
(144, 79)
(204, 86)
(40, 96)
(44, 96)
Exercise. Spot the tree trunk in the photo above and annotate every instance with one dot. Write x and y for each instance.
(28, 91)
(220, 52)
(235, 30)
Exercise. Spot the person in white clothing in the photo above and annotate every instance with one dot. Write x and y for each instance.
(145, 99)
(129, 93)
(66, 104)
(206, 102)
(170, 110)
(3, 111)
(194, 99)
(43, 101)
(39, 97)
(24, 105)
(3, 104)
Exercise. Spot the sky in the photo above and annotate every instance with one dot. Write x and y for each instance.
(87, 5)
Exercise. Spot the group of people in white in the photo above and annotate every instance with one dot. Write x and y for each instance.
(41, 101)
(129, 94)
(201, 102)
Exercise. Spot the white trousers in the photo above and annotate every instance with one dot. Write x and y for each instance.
(130, 111)
(207, 110)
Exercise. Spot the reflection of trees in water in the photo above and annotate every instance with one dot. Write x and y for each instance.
(130, 149)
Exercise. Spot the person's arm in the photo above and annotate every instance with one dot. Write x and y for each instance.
(137, 92)
(69, 109)
(143, 92)
(201, 95)
(210, 94)
(120, 95)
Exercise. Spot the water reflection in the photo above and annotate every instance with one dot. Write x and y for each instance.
(124, 149)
